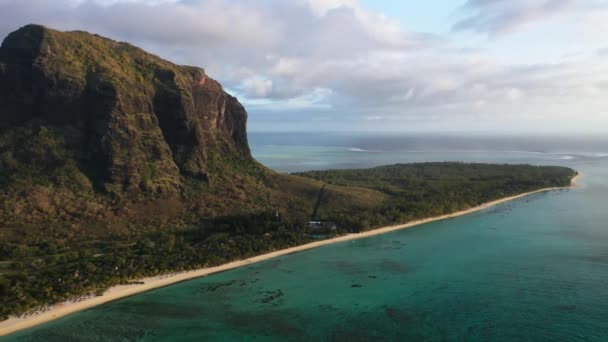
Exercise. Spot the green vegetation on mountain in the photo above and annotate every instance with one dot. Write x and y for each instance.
(116, 164)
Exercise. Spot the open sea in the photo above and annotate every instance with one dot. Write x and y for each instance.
(535, 269)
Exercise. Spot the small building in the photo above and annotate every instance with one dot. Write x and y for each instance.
(319, 226)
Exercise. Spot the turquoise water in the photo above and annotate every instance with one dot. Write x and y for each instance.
(531, 269)
(289, 152)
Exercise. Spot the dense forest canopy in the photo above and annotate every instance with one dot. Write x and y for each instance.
(416, 191)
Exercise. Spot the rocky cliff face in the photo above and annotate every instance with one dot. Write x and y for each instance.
(128, 120)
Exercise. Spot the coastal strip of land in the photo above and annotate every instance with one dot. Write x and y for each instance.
(15, 324)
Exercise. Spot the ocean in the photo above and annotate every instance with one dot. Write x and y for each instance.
(531, 269)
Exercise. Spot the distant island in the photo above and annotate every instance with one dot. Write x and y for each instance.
(116, 165)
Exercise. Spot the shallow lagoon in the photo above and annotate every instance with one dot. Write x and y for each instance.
(534, 268)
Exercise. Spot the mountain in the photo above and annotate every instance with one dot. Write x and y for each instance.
(99, 133)
(132, 121)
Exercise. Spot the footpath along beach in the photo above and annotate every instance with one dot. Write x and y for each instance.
(53, 312)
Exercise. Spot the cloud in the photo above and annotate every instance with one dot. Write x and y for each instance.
(497, 17)
(257, 87)
(337, 59)
(321, 7)
(514, 94)
(316, 99)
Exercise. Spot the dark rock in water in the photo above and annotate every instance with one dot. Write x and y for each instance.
(567, 308)
(356, 285)
(272, 297)
(217, 286)
(129, 120)
(327, 307)
(398, 316)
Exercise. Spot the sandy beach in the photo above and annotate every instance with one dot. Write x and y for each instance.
(59, 310)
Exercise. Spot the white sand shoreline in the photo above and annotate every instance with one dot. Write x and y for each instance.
(15, 324)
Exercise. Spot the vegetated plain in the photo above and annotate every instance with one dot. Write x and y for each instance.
(46, 263)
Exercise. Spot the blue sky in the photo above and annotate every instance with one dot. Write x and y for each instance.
(434, 16)
(434, 65)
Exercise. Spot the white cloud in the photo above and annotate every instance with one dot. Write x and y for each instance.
(497, 17)
(514, 94)
(321, 7)
(257, 87)
(314, 100)
(287, 67)
(337, 55)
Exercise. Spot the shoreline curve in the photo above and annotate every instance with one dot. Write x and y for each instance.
(15, 324)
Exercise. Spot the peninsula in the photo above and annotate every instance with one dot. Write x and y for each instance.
(121, 172)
